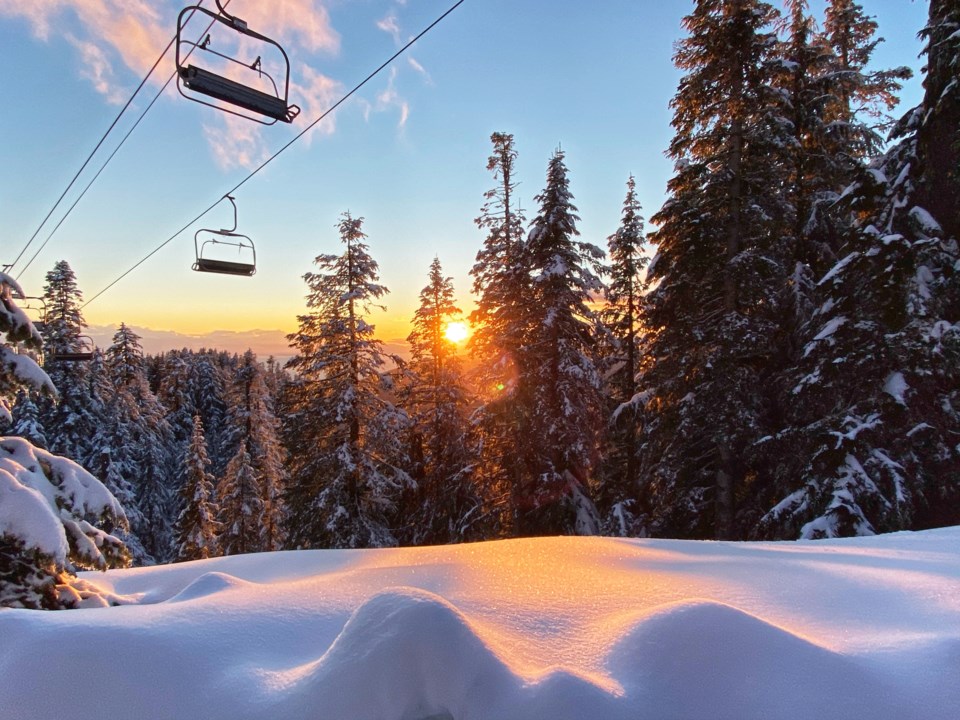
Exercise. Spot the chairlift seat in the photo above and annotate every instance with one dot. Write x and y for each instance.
(72, 357)
(221, 88)
(224, 267)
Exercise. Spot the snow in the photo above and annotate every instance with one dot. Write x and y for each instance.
(896, 387)
(535, 628)
(27, 516)
(925, 222)
(44, 496)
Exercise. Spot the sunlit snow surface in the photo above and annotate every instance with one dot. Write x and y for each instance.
(527, 629)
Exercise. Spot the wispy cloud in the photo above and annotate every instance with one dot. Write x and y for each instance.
(390, 26)
(96, 67)
(420, 69)
(316, 93)
(390, 98)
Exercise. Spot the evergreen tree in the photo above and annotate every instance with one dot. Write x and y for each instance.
(136, 440)
(444, 503)
(71, 420)
(622, 319)
(197, 526)
(26, 421)
(343, 487)
(209, 383)
(565, 399)
(253, 426)
(241, 505)
(72, 514)
(500, 326)
(879, 374)
(719, 274)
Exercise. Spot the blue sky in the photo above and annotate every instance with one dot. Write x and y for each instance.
(408, 153)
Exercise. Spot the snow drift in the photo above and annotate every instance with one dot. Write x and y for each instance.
(543, 628)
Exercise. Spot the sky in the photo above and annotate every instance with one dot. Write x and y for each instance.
(407, 153)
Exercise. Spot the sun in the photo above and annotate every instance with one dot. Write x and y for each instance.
(456, 332)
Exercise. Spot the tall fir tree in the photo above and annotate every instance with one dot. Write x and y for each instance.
(624, 501)
(878, 375)
(134, 444)
(565, 400)
(72, 419)
(253, 427)
(343, 487)
(444, 505)
(719, 272)
(197, 526)
(500, 324)
(240, 502)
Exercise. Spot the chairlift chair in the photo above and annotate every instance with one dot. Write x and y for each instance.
(81, 352)
(247, 252)
(199, 80)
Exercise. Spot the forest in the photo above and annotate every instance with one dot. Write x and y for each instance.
(777, 358)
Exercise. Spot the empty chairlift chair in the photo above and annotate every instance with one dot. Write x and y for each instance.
(208, 257)
(260, 105)
(80, 351)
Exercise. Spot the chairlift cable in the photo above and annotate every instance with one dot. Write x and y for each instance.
(266, 162)
(94, 151)
(107, 161)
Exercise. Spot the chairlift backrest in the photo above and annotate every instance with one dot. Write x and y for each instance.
(83, 352)
(210, 84)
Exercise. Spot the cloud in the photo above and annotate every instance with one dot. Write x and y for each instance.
(390, 98)
(390, 26)
(420, 69)
(235, 142)
(315, 93)
(96, 67)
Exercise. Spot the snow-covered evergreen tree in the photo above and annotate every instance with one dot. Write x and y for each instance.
(343, 488)
(253, 427)
(55, 518)
(879, 374)
(444, 505)
(623, 500)
(72, 419)
(714, 312)
(240, 505)
(26, 420)
(133, 447)
(500, 326)
(197, 526)
(209, 382)
(565, 398)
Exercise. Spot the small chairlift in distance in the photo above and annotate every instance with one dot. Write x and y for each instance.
(247, 263)
(82, 351)
(261, 104)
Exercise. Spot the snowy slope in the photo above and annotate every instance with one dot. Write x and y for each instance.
(546, 628)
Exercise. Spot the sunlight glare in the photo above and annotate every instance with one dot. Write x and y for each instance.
(456, 332)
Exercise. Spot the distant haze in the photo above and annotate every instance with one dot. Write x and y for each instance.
(263, 342)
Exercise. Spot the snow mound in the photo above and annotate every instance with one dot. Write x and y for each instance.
(407, 653)
(734, 655)
(206, 585)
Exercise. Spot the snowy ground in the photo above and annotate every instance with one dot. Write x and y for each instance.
(540, 629)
